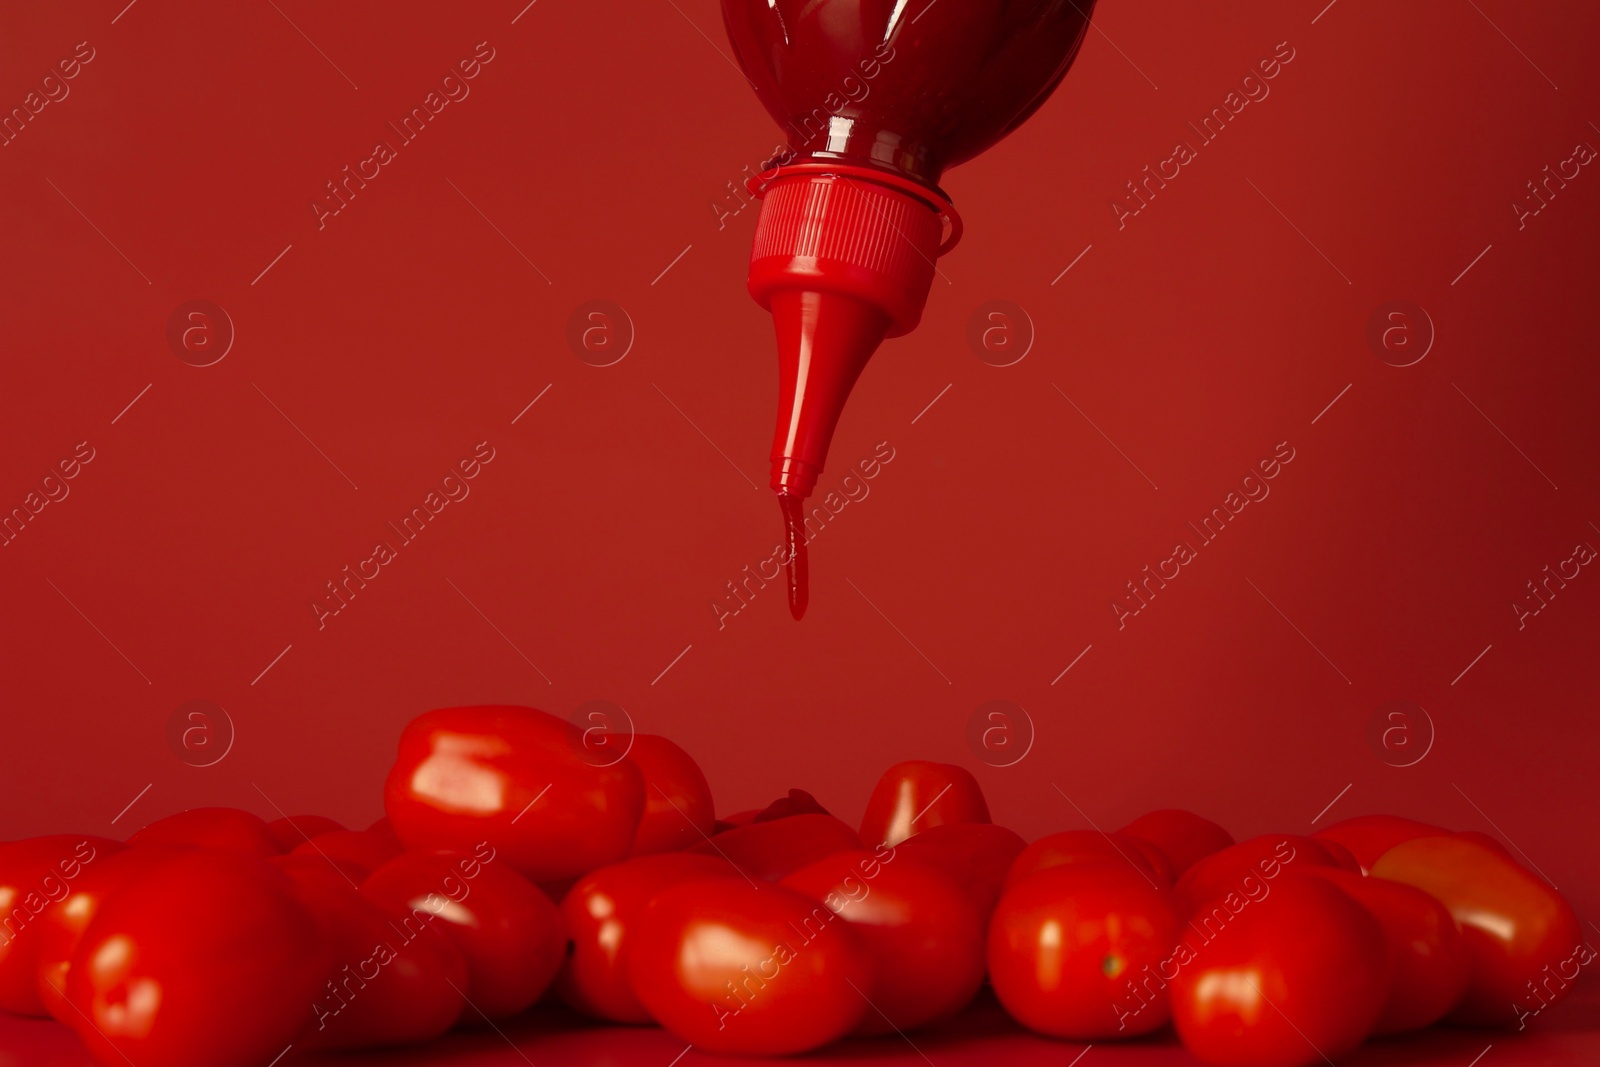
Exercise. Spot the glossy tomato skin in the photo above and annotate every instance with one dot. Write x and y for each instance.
(1428, 962)
(772, 850)
(1523, 940)
(205, 960)
(292, 831)
(230, 829)
(601, 913)
(517, 778)
(678, 811)
(1296, 975)
(362, 850)
(1084, 951)
(36, 876)
(62, 927)
(509, 933)
(917, 795)
(732, 967)
(1370, 836)
(388, 976)
(1086, 846)
(1240, 869)
(921, 928)
(977, 855)
(1182, 836)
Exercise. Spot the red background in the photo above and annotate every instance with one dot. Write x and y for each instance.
(1220, 321)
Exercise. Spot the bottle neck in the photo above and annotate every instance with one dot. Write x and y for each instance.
(859, 140)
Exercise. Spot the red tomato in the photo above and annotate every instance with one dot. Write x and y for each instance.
(1085, 846)
(292, 831)
(362, 850)
(205, 960)
(35, 876)
(1296, 977)
(1154, 858)
(760, 970)
(917, 795)
(976, 854)
(601, 913)
(61, 927)
(518, 779)
(1078, 951)
(1427, 956)
(1342, 857)
(1240, 869)
(1488, 842)
(774, 849)
(225, 828)
(795, 802)
(919, 925)
(1370, 836)
(507, 930)
(737, 819)
(1182, 836)
(677, 799)
(1523, 941)
(395, 976)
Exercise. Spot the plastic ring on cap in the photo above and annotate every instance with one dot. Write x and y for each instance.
(934, 198)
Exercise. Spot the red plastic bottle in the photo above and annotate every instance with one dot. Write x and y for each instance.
(878, 98)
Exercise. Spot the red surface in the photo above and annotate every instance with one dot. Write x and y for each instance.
(980, 1036)
(974, 566)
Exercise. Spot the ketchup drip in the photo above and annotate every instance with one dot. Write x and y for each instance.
(797, 570)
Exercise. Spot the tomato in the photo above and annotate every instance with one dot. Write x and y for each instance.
(36, 875)
(1342, 857)
(362, 850)
(1154, 858)
(1296, 977)
(1370, 836)
(518, 779)
(1523, 940)
(1240, 869)
(734, 968)
(292, 831)
(1085, 846)
(225, 828)
(62, 927)
(920, 926)
(677, 800)
(1484, 839)
(976, 854)
(916, 795)
(601, 913)
(1427, 955)
(509, 933)
(774, 849)
(795, 802)
(1182, 836)
(1076, 950)
(205, 960)
(395, 977)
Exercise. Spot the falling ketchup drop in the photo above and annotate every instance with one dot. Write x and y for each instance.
(794, 532)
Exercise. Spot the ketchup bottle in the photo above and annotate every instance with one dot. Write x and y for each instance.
(878, 98)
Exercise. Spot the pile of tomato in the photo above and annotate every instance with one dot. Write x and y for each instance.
(521, 861)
